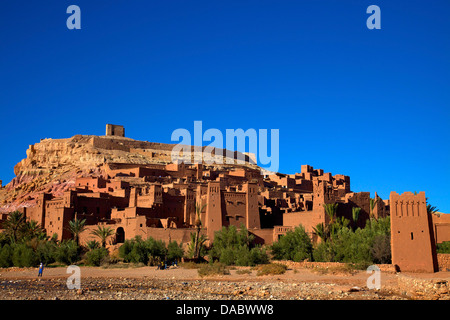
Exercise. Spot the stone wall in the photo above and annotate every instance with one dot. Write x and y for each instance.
(443, 261)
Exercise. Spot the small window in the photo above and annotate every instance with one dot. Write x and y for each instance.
(412, 236)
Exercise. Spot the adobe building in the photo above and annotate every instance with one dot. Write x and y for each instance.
(115, 130)
(412, 236)
(159, 200)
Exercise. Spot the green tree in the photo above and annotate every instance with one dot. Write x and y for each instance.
(432, 210)
(13, 225)
(24, 256)
(97, 256)
(6, 253)
(93, 244)
(197, 246)
(67, 252)
(76, 227)
(372, 203)
(295, 245)
(321, 231)
(362, 246)
(32, 230)
(174, 252)
(331, 209)
(231, 246)
(103, 233)
(355, 216)
(198, 228)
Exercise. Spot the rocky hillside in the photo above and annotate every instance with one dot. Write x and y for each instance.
(52, 165)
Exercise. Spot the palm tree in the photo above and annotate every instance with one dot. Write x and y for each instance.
(76, 227)
(13, 224)
(198, 227)
(103, 233)
(373, 202)
(321, 231)
(432, 210)
(31, 229)
(355, 215)
(330, 209)
(93, 244)
(200, 245)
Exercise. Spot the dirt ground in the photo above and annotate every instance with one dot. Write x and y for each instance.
(178, 283)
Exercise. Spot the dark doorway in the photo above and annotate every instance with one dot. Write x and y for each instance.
(120, 235)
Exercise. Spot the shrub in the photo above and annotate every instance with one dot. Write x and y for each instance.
(215, 268)
(157, 251)
(6, 253)
(174, 252)
(271, 269)
(323, 252)
(229, 237)
(294, 245)
(93, 244)
(443, 247)
(202, 250)
(381, 249)
(97, 256)
(139, 253)
(67, 252)
(24, 256)
(148, 252)
(227, 256)
(362, 246)
(125, 250)
(257, 255)
(233, 247)
(46, 251)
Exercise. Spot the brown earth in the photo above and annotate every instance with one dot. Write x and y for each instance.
(300, 282)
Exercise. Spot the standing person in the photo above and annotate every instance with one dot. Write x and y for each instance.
(41, 268)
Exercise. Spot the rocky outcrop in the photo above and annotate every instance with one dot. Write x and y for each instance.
(52, 165)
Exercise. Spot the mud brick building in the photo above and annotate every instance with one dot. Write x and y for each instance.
(136, 190)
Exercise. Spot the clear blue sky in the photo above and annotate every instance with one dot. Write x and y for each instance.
(372, 104)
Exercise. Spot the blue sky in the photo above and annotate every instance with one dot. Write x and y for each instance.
(371, 104)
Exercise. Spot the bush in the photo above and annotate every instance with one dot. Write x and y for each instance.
(271, 269)
(443, 247)
(381, 249)
(174, 252)
(139, 253)
(294, 245)
(46, 251)
(215, 268)
(96, 257)
(201, 243)
(157, 251)
(323, 252)
(24, 256)
(67, 252)
(230, 238)
(148, 252)
(362, 246)
(6, 253)
(233, 247)
(125, 250)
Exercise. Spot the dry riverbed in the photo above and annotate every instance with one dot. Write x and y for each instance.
(300, 282)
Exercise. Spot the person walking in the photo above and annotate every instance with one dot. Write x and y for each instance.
(41, 268)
